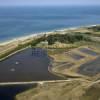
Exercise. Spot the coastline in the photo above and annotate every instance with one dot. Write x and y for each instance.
(35, 35)
(11, 47)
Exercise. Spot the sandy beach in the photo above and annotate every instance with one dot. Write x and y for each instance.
(35, 35)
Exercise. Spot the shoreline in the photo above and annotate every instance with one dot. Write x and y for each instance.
(36, 35)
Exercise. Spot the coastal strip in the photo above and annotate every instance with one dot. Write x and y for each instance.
(35, 35)
(13, 44)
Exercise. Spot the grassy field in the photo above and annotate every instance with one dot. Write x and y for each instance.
(73, 90)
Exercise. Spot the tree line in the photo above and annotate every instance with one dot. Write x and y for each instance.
(63, 38)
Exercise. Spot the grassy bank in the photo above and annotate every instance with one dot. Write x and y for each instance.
(13, 51)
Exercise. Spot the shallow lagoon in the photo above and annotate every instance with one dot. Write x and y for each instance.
(90, 68)
(24, 67)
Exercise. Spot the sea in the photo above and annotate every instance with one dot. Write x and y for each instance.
(22, 21)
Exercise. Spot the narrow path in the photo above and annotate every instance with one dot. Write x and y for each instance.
(33, 82)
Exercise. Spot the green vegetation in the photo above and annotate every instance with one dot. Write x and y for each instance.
(95, 28)
(84, 33)
(63, 38)
(67, 38)
(37, 41)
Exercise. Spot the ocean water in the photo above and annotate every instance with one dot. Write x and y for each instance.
(21, 21)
